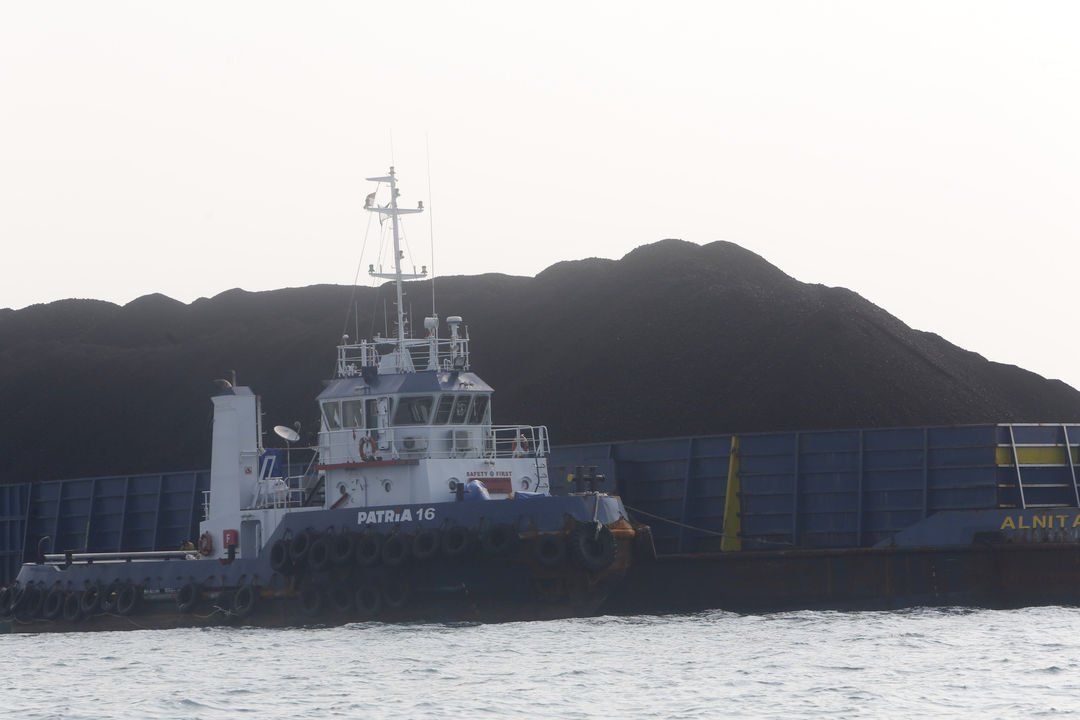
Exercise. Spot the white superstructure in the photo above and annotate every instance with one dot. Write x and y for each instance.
(404, 422)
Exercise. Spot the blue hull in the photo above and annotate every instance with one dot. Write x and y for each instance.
(509, 560)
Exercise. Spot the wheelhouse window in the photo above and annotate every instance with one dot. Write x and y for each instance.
(413, 410)
(332, 415)
(352, 413)
(442, 412)
(460, 412)
(372, 408)
(479, 410)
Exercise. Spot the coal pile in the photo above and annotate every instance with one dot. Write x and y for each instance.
(674, 339)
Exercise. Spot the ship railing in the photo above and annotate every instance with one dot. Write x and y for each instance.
(88, 558)
(422, 353)
(519, 441)
(463, 441)
(287, 490)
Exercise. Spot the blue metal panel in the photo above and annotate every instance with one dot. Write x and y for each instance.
(107, 521)
(962, 435)
(73, 515)
(893, 479)
(14, 500)
(42, 517)
(902, 439)
(140, 514)
(812, 489)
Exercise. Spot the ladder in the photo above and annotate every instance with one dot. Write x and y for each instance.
(1018, 450)
(542, 474)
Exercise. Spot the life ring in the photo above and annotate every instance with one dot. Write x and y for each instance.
(206, 544)
(367, 449)
(520, 448)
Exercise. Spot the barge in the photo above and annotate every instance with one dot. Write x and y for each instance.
(974, 515)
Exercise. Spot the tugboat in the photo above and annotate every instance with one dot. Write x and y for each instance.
(414, 506)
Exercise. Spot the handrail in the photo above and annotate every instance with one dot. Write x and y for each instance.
(452, 441)
(424, 353)
(64, 558)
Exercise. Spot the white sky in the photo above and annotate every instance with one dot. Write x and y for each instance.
(923, 154)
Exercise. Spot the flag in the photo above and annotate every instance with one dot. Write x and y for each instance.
(369, 200)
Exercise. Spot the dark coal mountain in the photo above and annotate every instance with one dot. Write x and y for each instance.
(673, 339)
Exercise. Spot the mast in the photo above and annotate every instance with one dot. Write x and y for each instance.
(397, 276)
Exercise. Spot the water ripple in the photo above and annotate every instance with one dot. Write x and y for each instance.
(951, 663)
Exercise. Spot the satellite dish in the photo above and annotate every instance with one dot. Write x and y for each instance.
(286, 433)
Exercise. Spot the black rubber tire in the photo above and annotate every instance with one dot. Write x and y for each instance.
(318, 556)
(426, 544)
(311, 601)
(593, 549)
(368, 602)
(90, 602)
(369, 549)
(188, 597)
(341, 598)
(499, 540)
(30, 601)
(53, 607)
(109, 595)
(244, 600)
(299, 547)
(457, 541)
(73, 607)
(396, 549)
(279, 556)
(396, 594)
(549, 550)
(17, 591)
(128, 599)
(343, 548)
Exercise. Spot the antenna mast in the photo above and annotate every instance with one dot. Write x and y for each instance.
(397, 276)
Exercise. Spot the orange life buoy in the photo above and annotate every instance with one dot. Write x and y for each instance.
(206, 544)
(367, 448)
(521, 446)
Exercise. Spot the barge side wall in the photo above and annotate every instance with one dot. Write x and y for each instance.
(814, 489)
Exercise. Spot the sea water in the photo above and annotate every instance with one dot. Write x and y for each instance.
(914, 663)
